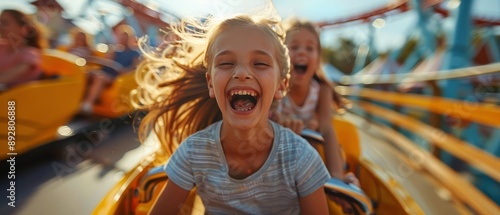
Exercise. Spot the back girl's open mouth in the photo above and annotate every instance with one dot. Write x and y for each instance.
(300, 69)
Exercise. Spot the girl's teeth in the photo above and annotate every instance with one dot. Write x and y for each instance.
(243, 92)
(243, 109)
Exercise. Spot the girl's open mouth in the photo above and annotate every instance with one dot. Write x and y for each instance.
(300, 69)
(243, 100)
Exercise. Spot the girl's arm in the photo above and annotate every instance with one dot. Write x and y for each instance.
(333, 156)
(296, 125)
(21, 66)
(170, 201)
(11, 74)
(314, 203)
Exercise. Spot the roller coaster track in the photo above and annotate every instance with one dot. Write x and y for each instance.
(478, 21)
(396, 6)
(399, 7)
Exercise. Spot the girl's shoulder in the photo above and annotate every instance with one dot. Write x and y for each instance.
(209, 134)
(324, 86)
(288, 137)
(203, 143)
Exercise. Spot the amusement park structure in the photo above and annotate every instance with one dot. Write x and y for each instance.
(412, 129)
(434, 55)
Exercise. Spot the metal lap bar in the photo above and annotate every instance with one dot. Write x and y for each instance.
(149, 182)
(350, 192)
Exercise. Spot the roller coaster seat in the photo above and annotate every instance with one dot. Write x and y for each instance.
(151, 183)
(347, 137)
(114, 100)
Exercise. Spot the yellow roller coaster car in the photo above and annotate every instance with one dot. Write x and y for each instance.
(139, 188)
(42, 106)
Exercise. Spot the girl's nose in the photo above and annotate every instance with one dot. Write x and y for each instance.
(242, 72)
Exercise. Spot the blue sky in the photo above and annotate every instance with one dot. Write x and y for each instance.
(393, 35)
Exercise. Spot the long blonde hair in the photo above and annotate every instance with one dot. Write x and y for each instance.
(173, 86)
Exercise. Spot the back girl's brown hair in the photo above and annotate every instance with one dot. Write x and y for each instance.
(32, 34)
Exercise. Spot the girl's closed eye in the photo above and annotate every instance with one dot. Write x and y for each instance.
(261, 64)
(225, 64)
(294, 48)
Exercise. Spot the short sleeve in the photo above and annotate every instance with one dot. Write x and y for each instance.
(311, 171)
(178, 168)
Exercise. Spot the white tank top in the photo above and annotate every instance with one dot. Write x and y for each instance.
(306, 112)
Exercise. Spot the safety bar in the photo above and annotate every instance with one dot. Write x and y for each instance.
(149, 182)
(351, 192)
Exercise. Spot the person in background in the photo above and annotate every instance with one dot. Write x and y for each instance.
(308, 104)
(20, 49)
(125, 57)
(81, 44)
(311, 95)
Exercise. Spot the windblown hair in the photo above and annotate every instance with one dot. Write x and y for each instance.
(293, 25)
(32, 34)
(173, 86)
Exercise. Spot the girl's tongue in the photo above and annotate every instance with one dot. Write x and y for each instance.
(243, 103)
(243, 100)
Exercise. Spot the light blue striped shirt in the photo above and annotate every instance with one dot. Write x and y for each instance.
(293, 169)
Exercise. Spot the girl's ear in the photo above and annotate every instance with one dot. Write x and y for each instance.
(282, 89)
(211, 92)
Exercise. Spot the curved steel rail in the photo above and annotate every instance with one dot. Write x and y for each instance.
(461, 189)
(421, 77)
